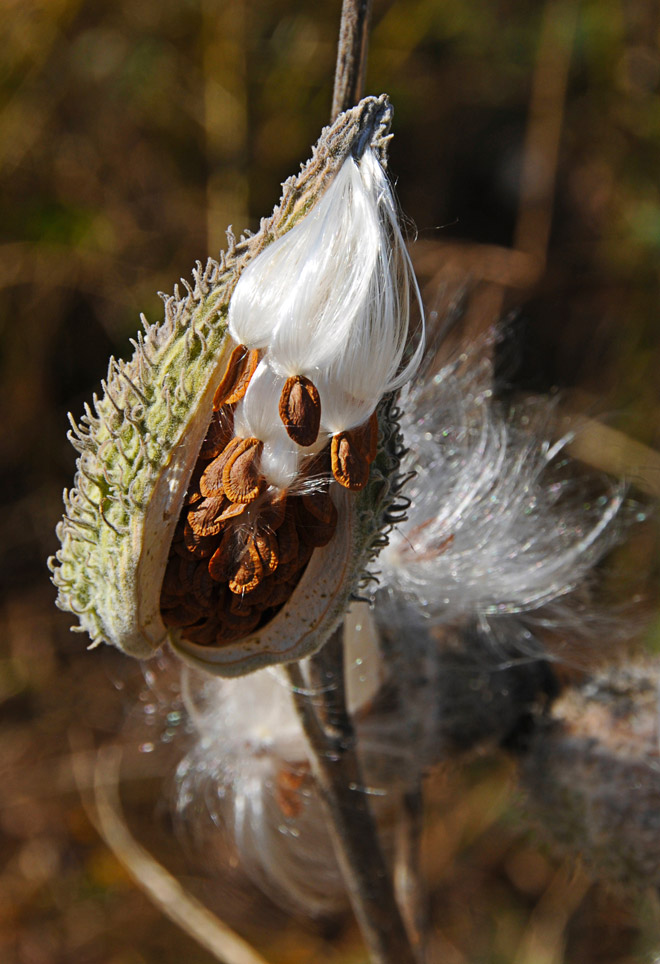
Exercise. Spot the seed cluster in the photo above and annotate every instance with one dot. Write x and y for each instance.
(241, 544)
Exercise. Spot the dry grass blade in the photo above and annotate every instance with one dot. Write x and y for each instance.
(545, 938)
(164, 890)
(546, 114)
(612, 451)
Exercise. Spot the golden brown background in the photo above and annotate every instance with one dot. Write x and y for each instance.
(131, 133)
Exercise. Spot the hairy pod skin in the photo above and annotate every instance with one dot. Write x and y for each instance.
(140, 440)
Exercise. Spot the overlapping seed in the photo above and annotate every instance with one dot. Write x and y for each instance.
(352, 452)
(240, 369)
(300, 410)
(240, 475)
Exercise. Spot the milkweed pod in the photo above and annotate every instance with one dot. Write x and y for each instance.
(140, 447)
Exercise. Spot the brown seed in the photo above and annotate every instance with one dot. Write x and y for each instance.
(204, 633)
(273, 510)
(210, 481)
(193, 496)
(287, 536)
(300, 410)
(204, 518)
(248, 369)
(201, 547)
(281, 591)
(292, 571)
(187, 569)
(349, 463)
(266, 545)
(240, 476)
(320, 505)
(171, 585)
(249, 571)
(240, 369)
(203, 587)
(219, 433)
(316, 518)
(222, 562)
(232, 509)
(259, 598)
(365, 437)
(235, 627)
(180, 616)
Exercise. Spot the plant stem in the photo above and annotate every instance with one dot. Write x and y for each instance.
(323, 711)
(351, 55)
(335, 763)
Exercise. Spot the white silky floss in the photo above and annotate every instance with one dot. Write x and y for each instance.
(248, 732)
(256, 416)
(330, 300)
(496, 525)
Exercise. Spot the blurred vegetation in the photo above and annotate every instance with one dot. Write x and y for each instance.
(131, 135)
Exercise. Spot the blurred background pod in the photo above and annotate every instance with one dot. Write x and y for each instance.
(591, 770)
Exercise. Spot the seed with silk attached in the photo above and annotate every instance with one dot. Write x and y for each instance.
(240, 369)
(300, 410)
(350, 465)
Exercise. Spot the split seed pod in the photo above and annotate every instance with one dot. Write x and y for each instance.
(141, 441)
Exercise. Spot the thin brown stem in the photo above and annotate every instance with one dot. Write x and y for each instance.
(351, 55)
(321, 705)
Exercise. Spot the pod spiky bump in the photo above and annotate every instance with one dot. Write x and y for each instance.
(140, 443)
